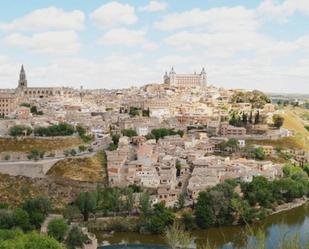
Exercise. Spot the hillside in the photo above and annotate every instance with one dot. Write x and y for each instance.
(293, 121)
(92, 169)
(14, 190)
(46, 144)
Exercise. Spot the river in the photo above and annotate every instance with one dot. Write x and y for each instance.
(275, 227)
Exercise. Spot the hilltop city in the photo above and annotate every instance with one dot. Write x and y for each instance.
(172, 140)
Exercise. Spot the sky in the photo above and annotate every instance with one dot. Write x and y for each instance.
(249, 44)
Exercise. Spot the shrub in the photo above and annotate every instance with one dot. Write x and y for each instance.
(82, 148)
(36, 154)
(57, 228)
(20, 130)
(76, 238)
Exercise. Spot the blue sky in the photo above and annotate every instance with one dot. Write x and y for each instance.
(113, 44)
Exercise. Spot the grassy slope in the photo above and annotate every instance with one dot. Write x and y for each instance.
(81, 169)
(27, 144)
(292, 121)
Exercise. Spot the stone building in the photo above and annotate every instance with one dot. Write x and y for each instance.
(11, 98)
(8, 102)
(185, 80)
(40, 92)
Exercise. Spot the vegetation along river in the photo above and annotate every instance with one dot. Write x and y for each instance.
(275, 227)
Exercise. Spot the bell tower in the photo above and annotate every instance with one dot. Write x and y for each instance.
(22, 82)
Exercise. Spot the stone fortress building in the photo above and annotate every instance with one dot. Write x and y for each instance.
(11, 98)
(185, 80)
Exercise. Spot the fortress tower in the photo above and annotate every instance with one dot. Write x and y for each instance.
(185, 80)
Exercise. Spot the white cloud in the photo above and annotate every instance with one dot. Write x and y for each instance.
(275, 10)
(232, 19)
(126, 37)
(154, 6)
(114, 14)
(46, 19)
(52, 42)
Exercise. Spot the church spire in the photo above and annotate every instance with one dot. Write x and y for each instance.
(22, 82)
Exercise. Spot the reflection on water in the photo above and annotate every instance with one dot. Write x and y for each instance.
(275, 227)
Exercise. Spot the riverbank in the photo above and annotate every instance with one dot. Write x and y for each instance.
(286, 222)
(290, 205)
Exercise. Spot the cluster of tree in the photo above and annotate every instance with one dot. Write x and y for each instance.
(307, 127)
(278, 120)
(162, 132)
(222, 205)
(17, 226)
(20, 130)
(109, 201)
(267, 194)
(287, 102)
(129, 132)
(62, 129)
(28, 216)
(33, 108)
(82, 134)
(15, 238)
(36, 154)
(71, 152)
(256, 98)
(114, 144)
(73, 238)
(231, 144)
(134, 111)
(242, 119)
(257, 153)
(120, 201)
(146, 113)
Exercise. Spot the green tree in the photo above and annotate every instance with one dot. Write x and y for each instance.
(112, 147)
(257, 118)
(129, 132)
(144, 204)
(6, 219)
(188, 221)
(15, 239)
(37, 208)
(204, 213)
(160, 218)
(20, 130)
(180, 201)
(36, 154)
(57, 228)
(259, 191)
(258, 153)
(134, 111)
(115, 138)
(86, 202)
(278, 120)
(81, 130)
(290, 170)
(71, 212)
(21, 219)
(76, 238)
(37, 241)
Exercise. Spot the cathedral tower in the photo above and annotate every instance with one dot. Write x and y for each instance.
(22, 82)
